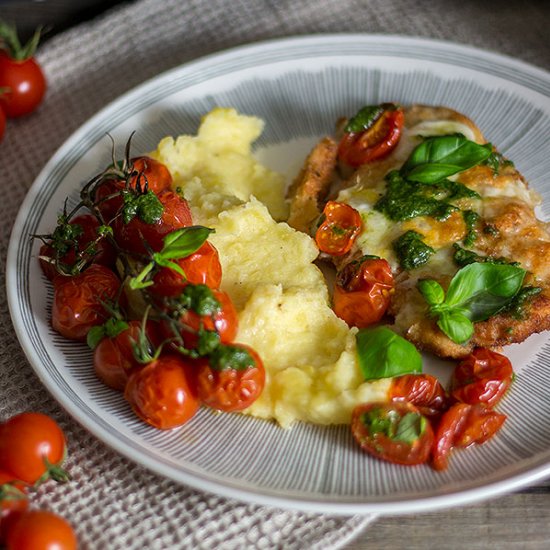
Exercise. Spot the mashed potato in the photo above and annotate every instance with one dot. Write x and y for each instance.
(268, 270)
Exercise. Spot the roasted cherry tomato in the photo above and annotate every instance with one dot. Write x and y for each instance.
(211, 310)
(100, 253)
(40, 530)
(32, 447)
(461, 426)
(13, 501)
(396, 432)
(21, 77)
(114, 358)
(371, 135)
(201, 267)
(231, 379)
(132, 236)
(340, 226)
(422, 390)
(161, 393)
(483, 377)
(362, 291)
(145, 173)
(78, 301)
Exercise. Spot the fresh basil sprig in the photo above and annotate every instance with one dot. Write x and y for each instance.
(383, 354)
(477, 292)
(439, 157)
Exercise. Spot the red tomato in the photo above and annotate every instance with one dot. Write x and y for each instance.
(340, 227)
(396, 432)
(2, 122)
(77, 304)
(40, 530)
(483, 377)
(362, 292)
(105, 253)
(228, 388)
(27, 440)
(131, 236)
(224, 322)
(161, 394)
(374, 143)
(201, 267)
(461, 426)
(114, 358)
(144, 170)
(13, 501)
(422, 390)
(24, 83)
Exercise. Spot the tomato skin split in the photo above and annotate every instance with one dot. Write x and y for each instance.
(340, 227)
(424, 391)
(362, 292)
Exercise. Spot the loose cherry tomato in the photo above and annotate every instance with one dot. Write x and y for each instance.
(114, 358)
(375, 141)
(396, 432)
(424, 391)
(201, 267)
(32, 447)
(13, 501)
(40, 530)
(161, 394)
(149, 173)
(461, 426)
(24, 84)
(102, 253)
(362, 292)
(131, 236)
(223, 319)
(483, 377)
(231, 379)
(340, 227)
(78, 301)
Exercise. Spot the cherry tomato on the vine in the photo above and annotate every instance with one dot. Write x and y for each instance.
(32, 447)
(78, 301)
(21, 77)
(340, 226)
(161, 393)
(101, 253)
(483, 377)
(132, 236)
(362, 292)
(461, 426)
(396, 432)
(424, 391)
(373, 140)
(201, 267)
(233, 382)
(114, 357)
(40, 530)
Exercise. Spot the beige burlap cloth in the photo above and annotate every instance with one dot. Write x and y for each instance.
(112, 502)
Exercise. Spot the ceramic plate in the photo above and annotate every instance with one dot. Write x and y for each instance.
(299, 87)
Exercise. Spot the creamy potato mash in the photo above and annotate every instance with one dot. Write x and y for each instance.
(268, 270)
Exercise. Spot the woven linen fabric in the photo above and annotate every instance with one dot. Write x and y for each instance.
(112, 502)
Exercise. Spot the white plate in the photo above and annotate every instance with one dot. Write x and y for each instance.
(299, 87)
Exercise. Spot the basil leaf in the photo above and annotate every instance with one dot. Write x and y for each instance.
(483, 289)
(182, 243)
(432, 291)
(410, 428)
(456, 326)
(383, 354)
(439, 157)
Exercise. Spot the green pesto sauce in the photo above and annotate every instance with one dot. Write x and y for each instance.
(518, 306)
(411, 250)
(405, 199)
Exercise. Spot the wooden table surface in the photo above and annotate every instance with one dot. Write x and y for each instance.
(516, 521)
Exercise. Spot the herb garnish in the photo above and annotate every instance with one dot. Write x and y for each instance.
(411, 250)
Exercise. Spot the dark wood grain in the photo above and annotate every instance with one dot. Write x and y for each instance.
(516, 521)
